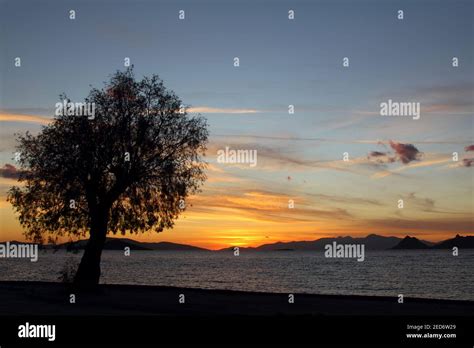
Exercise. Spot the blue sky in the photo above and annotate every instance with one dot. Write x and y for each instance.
(282, 62)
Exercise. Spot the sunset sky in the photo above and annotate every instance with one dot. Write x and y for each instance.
(282, 62)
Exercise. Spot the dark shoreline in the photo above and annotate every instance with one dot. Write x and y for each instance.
(47, 298)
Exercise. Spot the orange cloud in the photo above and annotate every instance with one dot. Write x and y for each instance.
(212, 110)
(6, 117)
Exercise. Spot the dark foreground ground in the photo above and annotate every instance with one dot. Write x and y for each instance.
(41, 298)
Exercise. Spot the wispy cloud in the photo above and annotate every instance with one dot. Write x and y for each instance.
(469, 148)
(430, 160)
(420, 226)
(404, 153)
(214, 110)
(6, 117)
(260, 205)
(9, 171)
(468, 162)
(452, 99)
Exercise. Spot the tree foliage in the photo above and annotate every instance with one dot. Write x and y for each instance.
(131, 164)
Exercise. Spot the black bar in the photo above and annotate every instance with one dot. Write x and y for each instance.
(290, 330)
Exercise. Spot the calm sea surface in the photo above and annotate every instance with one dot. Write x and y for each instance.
(424, 273)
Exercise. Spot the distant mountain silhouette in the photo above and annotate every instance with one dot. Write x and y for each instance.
(121, 243)
(371, 242)
(410, 243)
(172, 246)
(461, 242)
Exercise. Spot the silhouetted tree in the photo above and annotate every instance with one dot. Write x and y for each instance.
(127, 169)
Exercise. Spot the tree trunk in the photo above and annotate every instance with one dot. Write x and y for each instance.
(88, 273)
